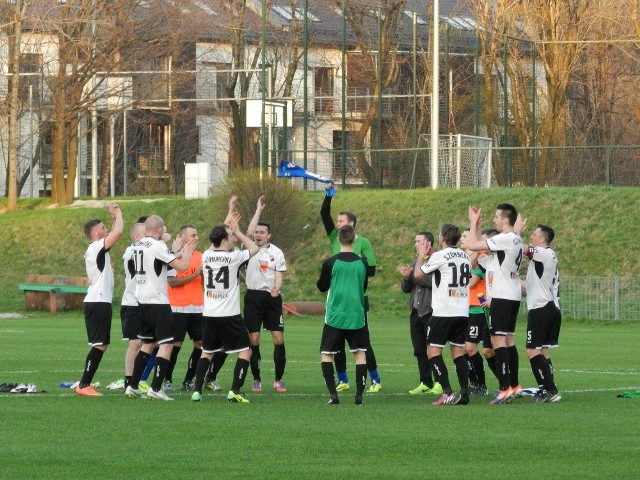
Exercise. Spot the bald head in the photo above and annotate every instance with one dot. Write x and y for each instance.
(154, 226)
(138, 231)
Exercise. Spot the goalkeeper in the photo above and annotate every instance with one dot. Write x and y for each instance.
(361, 247)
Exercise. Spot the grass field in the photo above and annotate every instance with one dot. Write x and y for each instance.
(589, 434)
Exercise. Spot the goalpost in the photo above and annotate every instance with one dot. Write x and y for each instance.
(463, 161)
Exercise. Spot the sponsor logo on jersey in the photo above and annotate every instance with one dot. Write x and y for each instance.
(217, 295)
(458, 293)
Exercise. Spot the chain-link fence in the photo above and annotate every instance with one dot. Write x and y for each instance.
(600, 298)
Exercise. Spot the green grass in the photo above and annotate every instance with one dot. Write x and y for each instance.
(589, 434)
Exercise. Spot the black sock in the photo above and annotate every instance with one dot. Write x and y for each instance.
(502, 367)
(424, 369)
(491, 362)
(279, 360)
(91, 364)
(255, 361)
(192, 364)
(514, 366)
(172, 363)
(239, 374)
(472, 374)
(340, 359)
(440, 373)
(550, 367)
(462, 370)
(202, 367)
(329, 378)
(127, 381)
(478, 369)
(361, 381)
(370, 355)
(538, 369)
(216, 364)
(542, 372)
(139, 364)
(159, 373)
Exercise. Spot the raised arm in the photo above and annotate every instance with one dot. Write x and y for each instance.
(117, 228)
(256, 217)
(520, 225)
(475, 241)
(325, 212)
(418, 274)
(234, 226)
(233, 203)
(181, 264)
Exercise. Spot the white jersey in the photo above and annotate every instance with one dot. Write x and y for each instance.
(541, 277)
(221, 286)
(262, 268)
(129, 295)
(151, 258)
(450, 282)
(503, 274)
(99, 273)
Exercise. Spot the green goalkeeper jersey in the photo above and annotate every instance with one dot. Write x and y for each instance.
(344, 276)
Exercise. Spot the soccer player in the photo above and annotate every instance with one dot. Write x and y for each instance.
(450, 302)
(362, 247)
(420, 307)
(223, 326)
(543, 322)
(97, 302)
(344, 276)
(185, 297)
(262, 300)
(505, 293)
(129, 312)
(151, 257)
(477, 320)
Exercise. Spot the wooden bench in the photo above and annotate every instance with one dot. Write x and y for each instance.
(53, 292)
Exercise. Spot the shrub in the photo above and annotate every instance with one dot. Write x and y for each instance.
(287, 210)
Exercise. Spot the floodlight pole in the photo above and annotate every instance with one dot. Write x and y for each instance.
(434, 95)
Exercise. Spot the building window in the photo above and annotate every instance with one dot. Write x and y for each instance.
(324, 84)
(152, 86)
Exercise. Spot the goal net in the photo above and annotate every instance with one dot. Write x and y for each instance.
(463, 160)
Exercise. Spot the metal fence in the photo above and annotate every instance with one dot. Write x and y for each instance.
(600, 298)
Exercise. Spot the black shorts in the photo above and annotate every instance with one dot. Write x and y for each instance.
(333, 339)
(184, 323)
(130, 319)
(543, 327)
(156, 323)
(228, 333)
(475, 327)
(97, 319)
(502, 316)
(261, 310)
(447, 329)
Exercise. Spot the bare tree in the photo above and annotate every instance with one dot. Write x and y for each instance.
(15, 35)
(375, 25)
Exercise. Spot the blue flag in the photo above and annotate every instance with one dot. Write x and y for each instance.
(290, 169)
